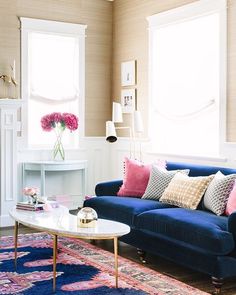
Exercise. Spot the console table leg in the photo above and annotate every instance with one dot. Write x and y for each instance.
(54, 261)
(15, 241)
(116, 260)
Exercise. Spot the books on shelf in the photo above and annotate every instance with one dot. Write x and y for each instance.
(30, 207)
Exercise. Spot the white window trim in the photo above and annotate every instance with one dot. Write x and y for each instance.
(37, 25)
(187, 12)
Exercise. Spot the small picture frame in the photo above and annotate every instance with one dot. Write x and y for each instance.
(128, 100)
(128, 73)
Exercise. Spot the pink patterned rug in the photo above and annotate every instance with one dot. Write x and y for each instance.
(82, 269)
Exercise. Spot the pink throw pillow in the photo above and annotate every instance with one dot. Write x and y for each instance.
(231, 204)
(136, 178)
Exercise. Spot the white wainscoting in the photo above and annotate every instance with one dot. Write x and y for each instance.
(105, 162)
(94, 150)
(8, 157)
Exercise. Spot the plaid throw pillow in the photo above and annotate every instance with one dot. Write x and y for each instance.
(184, 191)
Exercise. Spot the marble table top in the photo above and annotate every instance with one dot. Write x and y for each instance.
(59, 221)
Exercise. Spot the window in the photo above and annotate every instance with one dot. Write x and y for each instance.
(52, 75)
(187, 78)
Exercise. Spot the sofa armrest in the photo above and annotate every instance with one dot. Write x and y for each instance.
(109, 188)
(232, 224)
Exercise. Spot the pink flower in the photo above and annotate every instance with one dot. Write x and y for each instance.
(56, 117)
(46, 123)
(30, 191)
(62, 121)
(71, 121)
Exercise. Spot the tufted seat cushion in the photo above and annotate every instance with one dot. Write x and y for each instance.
(122, 209)
(196, 228)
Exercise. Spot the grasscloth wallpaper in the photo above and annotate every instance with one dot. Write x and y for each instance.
(130, 41)
(97, 14)
(117, 31)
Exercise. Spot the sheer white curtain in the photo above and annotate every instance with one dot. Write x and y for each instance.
(185, 87)
(54, 64)
(53, 82)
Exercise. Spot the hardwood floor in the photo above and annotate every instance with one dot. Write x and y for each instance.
(195, 279)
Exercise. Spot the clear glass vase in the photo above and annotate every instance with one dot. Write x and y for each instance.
(58, 149)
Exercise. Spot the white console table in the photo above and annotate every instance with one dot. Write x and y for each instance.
(54, 166)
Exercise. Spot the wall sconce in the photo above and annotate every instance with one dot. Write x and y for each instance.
(117, 117)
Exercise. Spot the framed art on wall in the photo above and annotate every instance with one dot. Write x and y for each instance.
(128, 73)
(128, 100)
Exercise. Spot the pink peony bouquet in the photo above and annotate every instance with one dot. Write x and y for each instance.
(61, 120)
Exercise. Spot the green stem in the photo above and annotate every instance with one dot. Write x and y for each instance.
(58, 147)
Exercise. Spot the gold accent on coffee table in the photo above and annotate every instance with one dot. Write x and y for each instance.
(15, 241)
(115, 239)
(55, 233)
(116, 259)
(54, 261)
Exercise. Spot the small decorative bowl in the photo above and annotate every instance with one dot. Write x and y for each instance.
(87, 217)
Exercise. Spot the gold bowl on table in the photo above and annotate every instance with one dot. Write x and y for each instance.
(87, 217)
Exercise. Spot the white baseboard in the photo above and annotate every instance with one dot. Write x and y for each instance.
(6, 220)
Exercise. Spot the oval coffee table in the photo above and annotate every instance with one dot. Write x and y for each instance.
(59, 222)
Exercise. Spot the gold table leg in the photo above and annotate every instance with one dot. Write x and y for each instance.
(116, 260)
(54, 261)
(15, 241)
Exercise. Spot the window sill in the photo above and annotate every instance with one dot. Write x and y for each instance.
(189, 157)
(47, 149)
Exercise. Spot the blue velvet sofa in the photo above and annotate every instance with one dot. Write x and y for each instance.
(197, 239)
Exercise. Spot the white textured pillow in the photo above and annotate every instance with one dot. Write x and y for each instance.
(218, 191)
(158, 182)
(184, 191)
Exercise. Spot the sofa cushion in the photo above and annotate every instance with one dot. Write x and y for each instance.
(159, 181)
(217, 193)
(122, 209)
(231, 203)
(136, 176)
(199, 229)
(184, 191)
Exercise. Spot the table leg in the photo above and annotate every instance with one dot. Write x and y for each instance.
(15, 241)
(42, 176)
(116, 260)
(54, 261)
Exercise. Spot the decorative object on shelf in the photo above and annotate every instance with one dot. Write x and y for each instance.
(128, 100)
(136, 128)
(9, 80)
(32, 194)
(59, 122)
(87, 217)
(128, 73)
